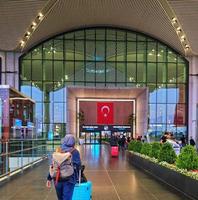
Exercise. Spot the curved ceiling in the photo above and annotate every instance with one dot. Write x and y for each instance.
(152, 17)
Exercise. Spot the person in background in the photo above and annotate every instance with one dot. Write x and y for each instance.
(183, 141)
(65, 188)
(164, 138)
(113, 140)
(192, 142)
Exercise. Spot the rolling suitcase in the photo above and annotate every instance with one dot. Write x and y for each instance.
(114, 151)
(82, 191)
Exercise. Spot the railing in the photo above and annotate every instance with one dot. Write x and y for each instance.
(17, 155)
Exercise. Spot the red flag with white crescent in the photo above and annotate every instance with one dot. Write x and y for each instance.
(104, 113)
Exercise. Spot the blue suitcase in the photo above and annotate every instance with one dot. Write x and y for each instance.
(82, 191)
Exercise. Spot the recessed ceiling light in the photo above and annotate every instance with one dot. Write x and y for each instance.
(174, 20)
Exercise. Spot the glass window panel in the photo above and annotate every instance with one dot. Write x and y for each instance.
(181, 73)
(131, 72)
(37, 91)
(180, 118)
(100, 34)
(79, 71)
(131, 51)
(79, 50)
(58, 49)
(58, 71)
(39, 116)
(121, 51)
(79, 35)
(152, 93)
(172, 73)
(26, 88)
(111, 34)
(151, 73)
(131, 36)
(48, 89)
(152, 113)
(110, 72)
(121, 72)
(69, 49)
(90, 71)
(161, 73)
(59, 94)
(100, 51)
(100, 72)
(48, 50)
(152, 51)
(37, 70)
(141, 72)
(161, 113)
(59, 113)
(121, 35)
(90, 50)
(48, 115)
(60, 37)
(28, 56)
(69, 35)
(161, 128)
(69, 71)
(172, 91)
(111, 51)
(161, 54)
(47, 70)
(180, 59)
(161, 93)
(26, 70)
(172, 57)
(90, 34)
(141, 51)
(172, 128)
(141, 38)
(152, 132)
(37, 53)
(171, 112)
(181, 93)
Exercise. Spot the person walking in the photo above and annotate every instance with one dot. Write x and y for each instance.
(65, 187)
(192, 142)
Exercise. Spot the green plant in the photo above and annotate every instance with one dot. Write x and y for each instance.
(135, 146)
(146, 148)
(155, 149)
(167, 153)
(188, 158)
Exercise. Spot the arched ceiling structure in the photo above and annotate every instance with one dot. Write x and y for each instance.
(152, 17)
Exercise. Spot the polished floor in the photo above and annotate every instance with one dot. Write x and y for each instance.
(113, 179)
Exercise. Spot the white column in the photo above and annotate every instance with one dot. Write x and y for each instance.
(193, 97)
(10, 68)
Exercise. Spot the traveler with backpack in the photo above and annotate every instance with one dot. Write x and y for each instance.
(64, 168)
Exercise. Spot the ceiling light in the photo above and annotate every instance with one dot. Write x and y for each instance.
(179, 30)
(34, 23)
(22, 43)
(28, 33)
(40, 15)
(187, 46)
(174, 20)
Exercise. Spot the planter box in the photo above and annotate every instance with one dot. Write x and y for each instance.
(180, 182)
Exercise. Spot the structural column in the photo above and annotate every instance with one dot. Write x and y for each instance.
(193, 98)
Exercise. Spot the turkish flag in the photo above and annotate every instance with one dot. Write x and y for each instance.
(104, 113)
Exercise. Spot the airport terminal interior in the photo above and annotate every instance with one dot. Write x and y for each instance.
(119, 79)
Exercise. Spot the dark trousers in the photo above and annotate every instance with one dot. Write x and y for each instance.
(64, 190)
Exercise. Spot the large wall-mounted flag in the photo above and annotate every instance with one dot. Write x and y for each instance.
(105, 113)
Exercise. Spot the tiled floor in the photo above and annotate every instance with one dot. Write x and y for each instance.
(113, 179)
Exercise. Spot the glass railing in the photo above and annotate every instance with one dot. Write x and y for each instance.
(17, 155)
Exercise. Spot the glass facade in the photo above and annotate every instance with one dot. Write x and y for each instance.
(106, 57)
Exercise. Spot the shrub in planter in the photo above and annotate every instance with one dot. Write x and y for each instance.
(167, 153)
(135, 146)
(155, 149)
(146, 148)
(188, 158)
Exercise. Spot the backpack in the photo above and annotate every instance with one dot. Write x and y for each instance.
(62, 167)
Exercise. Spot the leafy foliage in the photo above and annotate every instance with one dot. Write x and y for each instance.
(167, 153)
(135, 146)
(188, 158)
(155, 149)
(146, 148)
